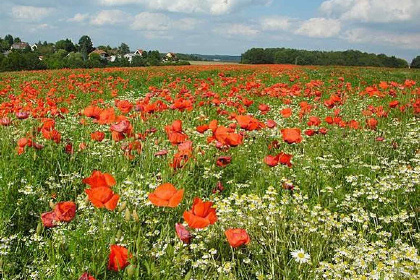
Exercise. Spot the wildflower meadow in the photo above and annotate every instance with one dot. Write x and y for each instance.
(210, 172)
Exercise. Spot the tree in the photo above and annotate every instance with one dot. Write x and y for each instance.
(9, 39)
(66, 45)
(416, 62)
(85, 46)
(17, 40)
(123, 49)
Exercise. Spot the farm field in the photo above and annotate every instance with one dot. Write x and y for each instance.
(210, 172)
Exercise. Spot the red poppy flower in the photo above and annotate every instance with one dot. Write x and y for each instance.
(219, 187)
(118, 258)
(237, 237)
(263, 108)
(371, 123)
(271, 123)
(281, 158)
(201, 215)
(287, 112)
(322, 130)
(124, 106)
(49, 219)
(166, 195)
(183, 234)
(5, 121)
(180, 159)
(285, 159)
(175, 133)
(291, 135)
(103, 197)
(314, 121)
(97, 136)
(123, 126)
(394, 103)
(65, 211)
(22, 115)
(329, 120)
(222, 161)
(310, 132)
(202, 128)
(249, 123)
(271, 160)
(99, 179)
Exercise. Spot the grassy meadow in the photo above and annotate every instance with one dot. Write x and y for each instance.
(317, 166)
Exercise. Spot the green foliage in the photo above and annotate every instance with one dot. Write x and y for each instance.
(85, 46)
(304, 57)
(66, 45)
(22, 61)
(9, 39)
(123, 49)
(416, 62)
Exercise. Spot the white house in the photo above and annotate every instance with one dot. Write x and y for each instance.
(129, 56)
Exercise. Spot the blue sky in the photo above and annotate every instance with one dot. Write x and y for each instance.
(221, 26)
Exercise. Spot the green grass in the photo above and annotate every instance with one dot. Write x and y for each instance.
(354, 209)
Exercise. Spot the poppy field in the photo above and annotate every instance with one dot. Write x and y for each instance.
(210, 172)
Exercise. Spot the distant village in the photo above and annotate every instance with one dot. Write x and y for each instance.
(16, 54)
(21, 46)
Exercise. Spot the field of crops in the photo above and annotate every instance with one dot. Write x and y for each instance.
(210, 172)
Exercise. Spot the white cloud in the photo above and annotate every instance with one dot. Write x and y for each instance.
(319, 28)
(186, 23)
(110, 17)
(79, 17)
(38, 27)
(372, 10)
(216, 7)
(402, 40)
(30, 13)
(275, 23)
(236, 29)
(151, 22)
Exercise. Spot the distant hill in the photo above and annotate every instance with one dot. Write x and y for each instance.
(206, 57)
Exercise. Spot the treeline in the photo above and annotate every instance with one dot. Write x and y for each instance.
(304, 57)
(65, 54)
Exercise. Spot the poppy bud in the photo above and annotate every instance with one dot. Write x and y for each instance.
(135, 216)
(122, 206)
(127, 215)
(118, 235)
(52, 204)
(131, 269)
(38, 228)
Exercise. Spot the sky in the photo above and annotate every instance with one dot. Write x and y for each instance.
(221, 26)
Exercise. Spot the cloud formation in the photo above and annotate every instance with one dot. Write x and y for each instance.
(372, 10)
(110, 17)
(30, 13)
(275, 23)
(215, 7)
(319, 28)
(364, 35)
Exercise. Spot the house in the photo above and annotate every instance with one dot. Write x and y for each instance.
(19, 46)
(112, 58)
(129, 56)
(139, 52)
(101, 53)
(170, 56)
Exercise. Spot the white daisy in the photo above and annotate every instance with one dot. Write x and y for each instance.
(300, 256)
